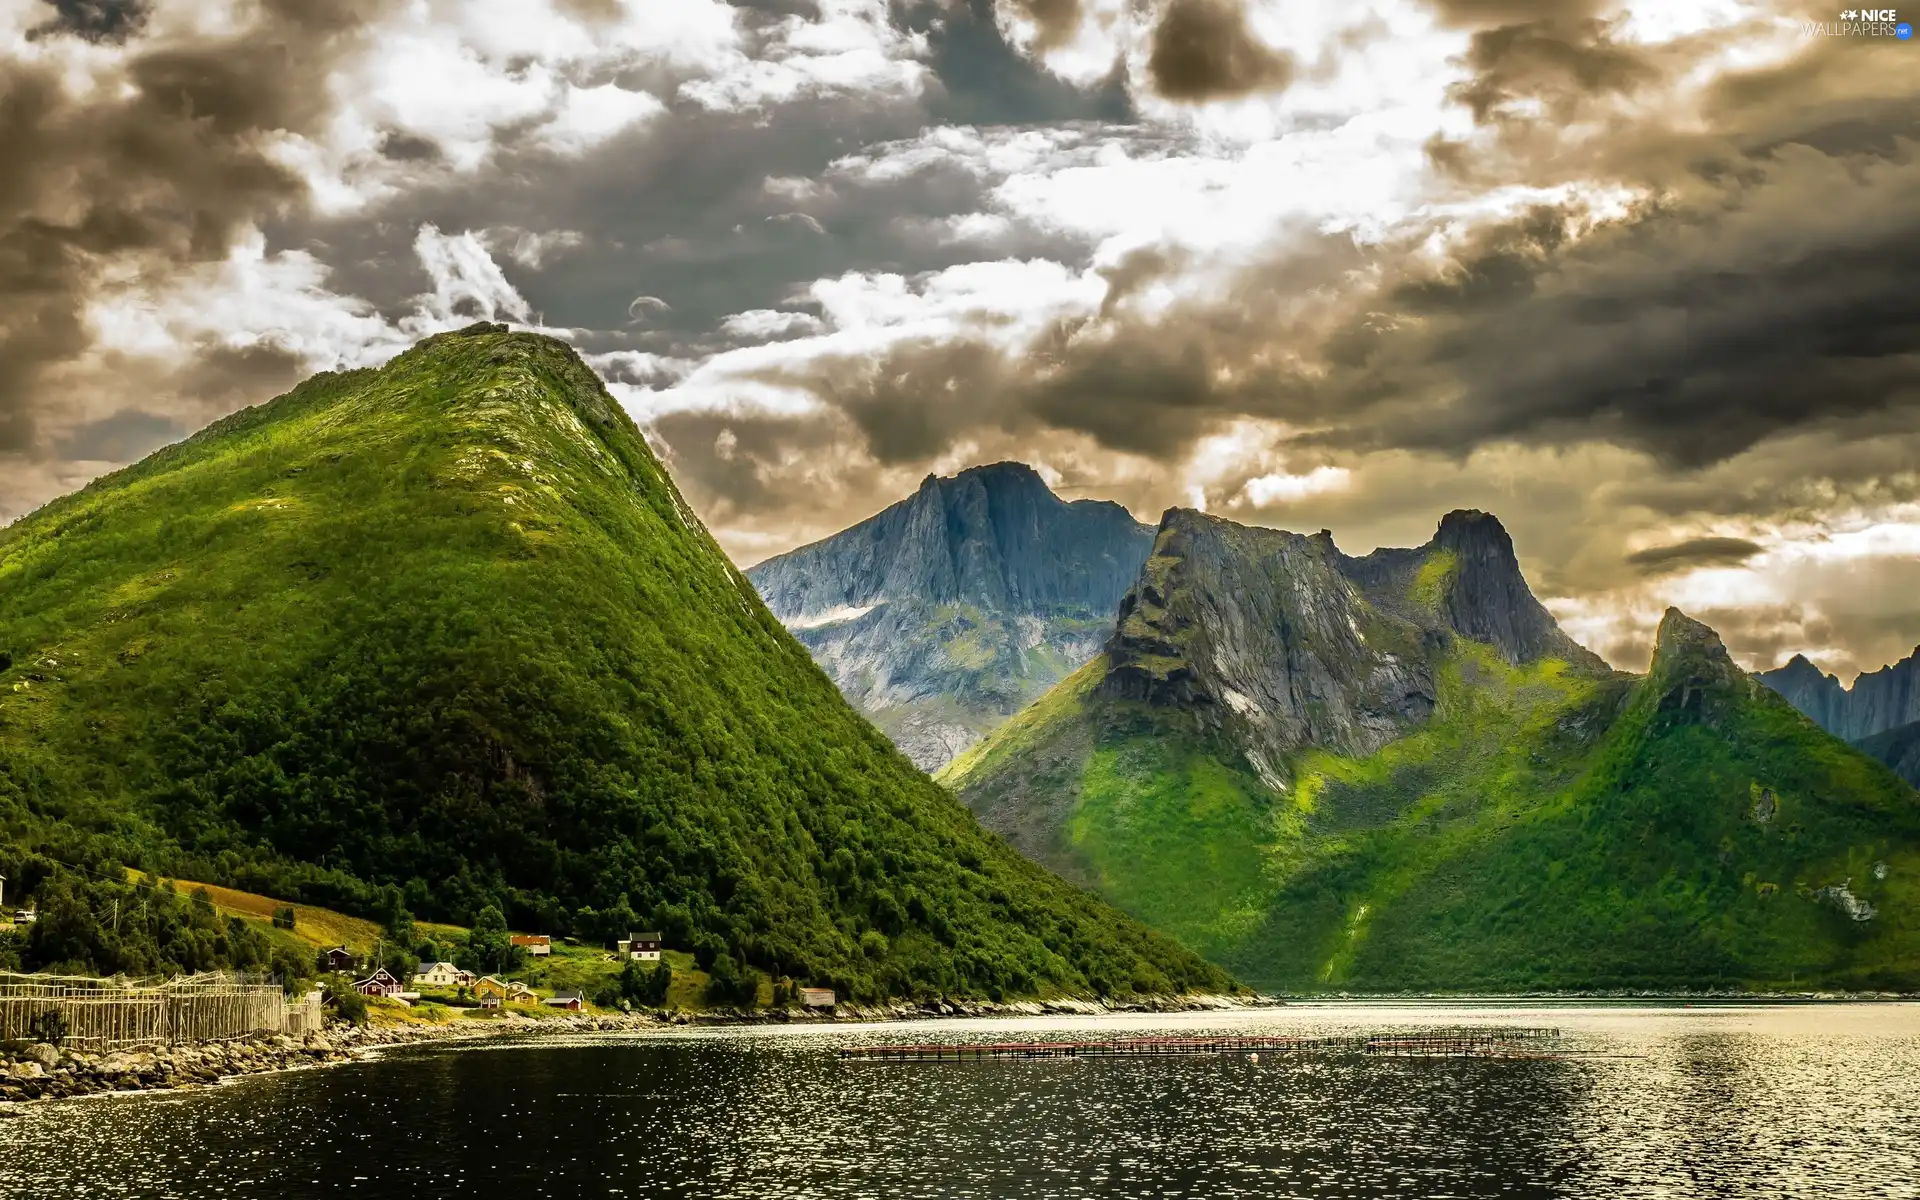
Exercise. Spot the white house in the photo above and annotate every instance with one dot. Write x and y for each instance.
(643, 946)
(537, 944)
(438, 974)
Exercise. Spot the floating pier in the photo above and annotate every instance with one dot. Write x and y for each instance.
(1455, 1043)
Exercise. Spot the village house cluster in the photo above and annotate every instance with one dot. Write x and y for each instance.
(488, 991)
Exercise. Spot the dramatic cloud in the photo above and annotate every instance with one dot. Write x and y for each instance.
(94, 20)
(1203, 50)
(1635, 277)
(1694, 552)
(163, 162)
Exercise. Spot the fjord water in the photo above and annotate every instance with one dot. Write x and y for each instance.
(1664, 1101)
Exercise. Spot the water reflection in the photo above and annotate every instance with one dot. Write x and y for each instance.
(1760, 1102)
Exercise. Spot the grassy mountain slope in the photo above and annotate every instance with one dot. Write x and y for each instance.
(1551, 825)
(449, 626)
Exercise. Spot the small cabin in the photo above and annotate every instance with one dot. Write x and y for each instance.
(643, 946)
(380, 983)
(816, 997)
(341, 959)
(571, 1001)
(520, 993)
(537, 944)
(488, 988)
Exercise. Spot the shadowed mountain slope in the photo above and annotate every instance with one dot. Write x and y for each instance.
(945, 613)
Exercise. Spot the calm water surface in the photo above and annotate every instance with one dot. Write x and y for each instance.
(1818, 1101)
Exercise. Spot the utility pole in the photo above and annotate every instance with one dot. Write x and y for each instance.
(3, 891)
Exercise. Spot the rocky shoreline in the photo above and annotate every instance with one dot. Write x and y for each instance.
(47, 1072)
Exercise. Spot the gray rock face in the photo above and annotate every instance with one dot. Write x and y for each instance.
(1899, 748)
(1279, 641)
(1485, 596)
(1877, 702)
(1259, 634)
(948, 612)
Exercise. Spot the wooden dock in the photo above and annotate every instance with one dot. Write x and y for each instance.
(1452, 1043)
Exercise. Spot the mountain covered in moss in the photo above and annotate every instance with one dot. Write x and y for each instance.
(1396, 773)
(447, 628)
(948, 612)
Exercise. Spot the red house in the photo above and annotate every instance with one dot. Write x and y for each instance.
(380, 983)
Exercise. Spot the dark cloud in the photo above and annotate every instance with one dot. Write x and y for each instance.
(1769, 291)
(1203, 50)
(121, 437)
(408, 147)
(981, 80)
(1475, 13)
(1695, 552)
(142, 176)
(1555, 67)
(94, 20)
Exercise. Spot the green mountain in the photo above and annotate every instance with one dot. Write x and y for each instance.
(945, 614)
(1395, 773)
(447, 627)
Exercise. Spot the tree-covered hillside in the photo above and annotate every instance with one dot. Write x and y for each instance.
(448, 625)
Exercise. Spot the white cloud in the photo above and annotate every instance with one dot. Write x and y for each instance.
(767, 325)
(1265, 490)
(467, 284)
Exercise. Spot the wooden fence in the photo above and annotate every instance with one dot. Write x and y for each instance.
(101, 1013)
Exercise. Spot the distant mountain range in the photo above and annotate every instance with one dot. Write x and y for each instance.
(950, 611)
(445, 633)
(1395, 772)
(1880, 713)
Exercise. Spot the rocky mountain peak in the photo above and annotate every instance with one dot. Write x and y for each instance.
(1258, 631)
(1467, 580)
(1476, 532)
(1489, 600)
(1691, 667)
(944, 613)
(1877, 702)
(994, 536)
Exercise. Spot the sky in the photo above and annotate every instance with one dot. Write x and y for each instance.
(1636, 278)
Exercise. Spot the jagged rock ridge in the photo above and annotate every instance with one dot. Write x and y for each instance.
(1476, 589)
(1877, 702)
(1258, 630)
(1286, 642)
(945, 613)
